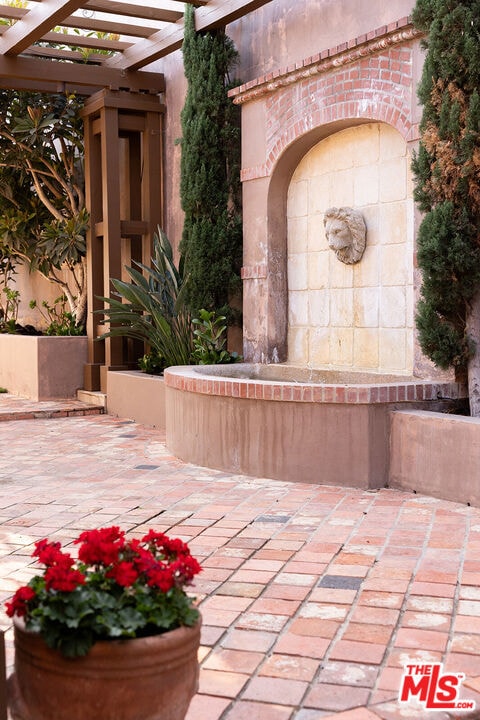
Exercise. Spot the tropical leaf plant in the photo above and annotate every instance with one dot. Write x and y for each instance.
(151, 307)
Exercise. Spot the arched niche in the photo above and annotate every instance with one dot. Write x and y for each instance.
(352, 316)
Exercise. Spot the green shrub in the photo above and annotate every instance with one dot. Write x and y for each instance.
(210, 340)
(9, 310)
(60, 320)
(151, 363)
(447, 185)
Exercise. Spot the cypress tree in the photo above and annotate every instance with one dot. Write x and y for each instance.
(210, 171)
(447, 188)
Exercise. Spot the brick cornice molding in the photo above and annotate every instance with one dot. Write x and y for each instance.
(399, 32)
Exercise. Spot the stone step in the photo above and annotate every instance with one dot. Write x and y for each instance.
(89, 397)
(13, 407)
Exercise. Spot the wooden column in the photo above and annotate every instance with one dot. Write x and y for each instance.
(125, 201)
(93, 198)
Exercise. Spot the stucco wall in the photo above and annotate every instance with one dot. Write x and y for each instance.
(277, 35)
(137, 396)
(283, 32)
(258, 422)
(33, 286)
(357, 315)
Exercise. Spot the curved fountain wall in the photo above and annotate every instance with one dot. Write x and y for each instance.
(327, 428)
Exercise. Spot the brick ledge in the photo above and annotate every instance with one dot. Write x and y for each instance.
(188, 380)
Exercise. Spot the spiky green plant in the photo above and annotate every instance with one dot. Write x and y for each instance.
(151, 307)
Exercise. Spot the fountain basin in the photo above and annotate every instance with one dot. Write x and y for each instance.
(293, 424)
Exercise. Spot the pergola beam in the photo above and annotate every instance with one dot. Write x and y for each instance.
(152, 48)
(218, 13)
(33, 73)
(37, 22)
(59, 38)
(156, 30)
(134, 10)
(212, 15)
(91, 24)
(111, 7)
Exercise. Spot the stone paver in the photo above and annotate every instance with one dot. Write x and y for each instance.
(313, 597)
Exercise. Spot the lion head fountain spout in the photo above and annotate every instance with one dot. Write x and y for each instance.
(346, 233)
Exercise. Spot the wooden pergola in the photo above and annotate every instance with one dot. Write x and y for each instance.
(108, 40)
(102, 50)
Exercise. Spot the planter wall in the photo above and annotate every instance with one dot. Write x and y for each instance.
(134, 395)
(436, 454)
(42, 367)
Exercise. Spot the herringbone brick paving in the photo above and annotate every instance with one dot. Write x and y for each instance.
(313, 597)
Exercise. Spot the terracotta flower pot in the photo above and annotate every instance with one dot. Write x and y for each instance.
(152, 678)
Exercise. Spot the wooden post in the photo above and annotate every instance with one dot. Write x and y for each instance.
(93, 197)
(109, 116)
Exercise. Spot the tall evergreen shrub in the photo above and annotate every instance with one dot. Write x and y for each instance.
(447, 187)
(210, 171)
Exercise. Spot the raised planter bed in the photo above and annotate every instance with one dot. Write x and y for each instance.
(42, 367)
(134, 395)
(436, 454)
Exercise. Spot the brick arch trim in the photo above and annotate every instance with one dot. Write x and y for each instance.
(372, 83)
(377, 88)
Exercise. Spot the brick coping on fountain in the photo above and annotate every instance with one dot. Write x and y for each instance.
(191, 379)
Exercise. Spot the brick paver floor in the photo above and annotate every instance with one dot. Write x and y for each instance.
(313, 597)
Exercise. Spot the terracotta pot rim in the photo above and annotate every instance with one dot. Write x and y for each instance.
(171, 640)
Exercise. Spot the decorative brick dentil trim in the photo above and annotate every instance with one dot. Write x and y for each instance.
(382, 38)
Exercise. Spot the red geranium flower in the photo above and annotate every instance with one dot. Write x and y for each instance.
(117, 588)
(175, 546)
(154, 538)
(47, 552)
(142, 559)
(124, 574)
(18, 605)
(160, 577)
(63, 579)
(184, 569)
(101, 547)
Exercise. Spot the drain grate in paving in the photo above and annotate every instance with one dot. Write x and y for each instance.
(340, 582)
(273, 518)
(146, 467)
